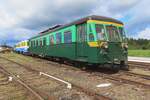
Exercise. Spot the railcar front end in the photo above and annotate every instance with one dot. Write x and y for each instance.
(108, 41)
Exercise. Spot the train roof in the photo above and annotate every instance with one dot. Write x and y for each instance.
(21, 42)
(82, 20)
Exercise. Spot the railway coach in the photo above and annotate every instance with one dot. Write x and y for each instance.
(94, 40)
(22, 47)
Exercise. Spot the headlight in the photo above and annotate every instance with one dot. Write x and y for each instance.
(104, 45)
(125, 45)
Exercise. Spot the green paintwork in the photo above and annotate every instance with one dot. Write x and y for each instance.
(80, 51)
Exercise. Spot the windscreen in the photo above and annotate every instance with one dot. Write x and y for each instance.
(100, 32)
(122, 32)
(113, 33)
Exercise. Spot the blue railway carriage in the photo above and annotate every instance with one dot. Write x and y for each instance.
(22, 47)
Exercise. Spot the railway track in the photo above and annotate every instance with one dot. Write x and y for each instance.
(19, 81)
(147, 77)
(126, 78)
(70, 68)
(114, 77)
(120, 79)
(13, 90)
(145, 66)
(75, 86)
(29, 79)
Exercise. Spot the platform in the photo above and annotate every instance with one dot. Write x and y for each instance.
(139, 59)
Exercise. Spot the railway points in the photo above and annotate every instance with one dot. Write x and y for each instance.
(76, 88)
(12, 88)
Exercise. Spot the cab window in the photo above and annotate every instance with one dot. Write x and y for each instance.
(113, 33)
(122, 33)
(90, 34)
(100, 32)
(91, 37)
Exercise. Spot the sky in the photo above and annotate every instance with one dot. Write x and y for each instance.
(22, 19)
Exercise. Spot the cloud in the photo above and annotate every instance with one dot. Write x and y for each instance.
(140, 15)
(16, 35)
(41, 13)
(21, 19)
(114, 8)
(145, 34)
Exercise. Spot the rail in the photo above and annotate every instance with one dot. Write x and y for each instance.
(68, 84)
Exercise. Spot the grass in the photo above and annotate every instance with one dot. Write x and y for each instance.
(139, 53)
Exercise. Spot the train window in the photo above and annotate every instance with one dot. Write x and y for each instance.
(82, 33)
(36, 42)
(91, 37)
(90, 28)
(122, 33)
(58, 38)
(40, 42)
(31, 44)
(100, 32)
(44, 41)
(67, 37)
(113, 33)
(51, 40)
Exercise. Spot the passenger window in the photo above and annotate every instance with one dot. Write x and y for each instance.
(51, 40)
(67, 37)
(91, 37)
(41, 43)
(30, 43)
(44, 41)
(82, 33)
(58, 38)
(36, 42)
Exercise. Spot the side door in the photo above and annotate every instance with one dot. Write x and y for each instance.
(81, 42)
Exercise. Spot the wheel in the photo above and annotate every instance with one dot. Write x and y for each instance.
(115, 68)
(124, 66)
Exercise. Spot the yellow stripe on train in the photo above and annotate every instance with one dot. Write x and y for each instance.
(104, 22)
(93, 44)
